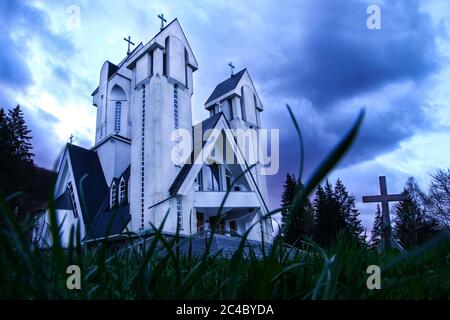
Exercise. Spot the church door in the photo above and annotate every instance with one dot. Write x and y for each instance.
(200, 222)
(233, 228)
(220, 229)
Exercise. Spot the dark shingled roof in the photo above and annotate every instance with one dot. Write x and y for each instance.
(226, 86)
(64, 202)
(109, 221)
(92, 191)
(206, 124)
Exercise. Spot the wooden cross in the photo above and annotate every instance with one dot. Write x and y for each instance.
(129, 42)
(161, 16)
(70, 138)
(385, 198)
(232, 68)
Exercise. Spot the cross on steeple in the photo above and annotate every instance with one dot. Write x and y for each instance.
(232, 68)
(161, 16)
(129, 42)
(70, 138)
(385, 198)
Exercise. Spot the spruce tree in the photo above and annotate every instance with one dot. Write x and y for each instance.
(353, 226)
(296, 224)
(377, 228)
(289, 190)
(328, 217)
(412, 225)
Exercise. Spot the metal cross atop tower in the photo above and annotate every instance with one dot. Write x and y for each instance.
(161, 16)
(129, 42)
(71, 138)
(232, 68)
(385, 198)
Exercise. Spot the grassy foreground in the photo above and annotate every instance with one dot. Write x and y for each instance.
(129, 273)
(159, 271)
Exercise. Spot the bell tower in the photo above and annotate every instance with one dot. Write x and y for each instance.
(162, 87)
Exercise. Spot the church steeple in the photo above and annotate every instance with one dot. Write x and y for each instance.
(238, 99)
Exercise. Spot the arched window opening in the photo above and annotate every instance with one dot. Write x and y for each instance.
(117, 116)
(122, 192)
(113, 195)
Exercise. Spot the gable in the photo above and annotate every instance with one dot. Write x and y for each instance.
(88, 179)
(186, 177)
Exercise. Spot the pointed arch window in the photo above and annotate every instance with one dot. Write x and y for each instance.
(122, 192)
(113, 199)
(117, 116)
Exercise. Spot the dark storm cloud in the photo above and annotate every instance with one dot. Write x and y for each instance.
(20, 23)
(337, 56)
(334, 59)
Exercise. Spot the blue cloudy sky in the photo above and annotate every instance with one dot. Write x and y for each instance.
(316, 55)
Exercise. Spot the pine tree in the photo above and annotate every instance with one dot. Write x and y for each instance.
(353, 226)
(17, 171)
(334, 213)
(295, 224)
(290, 188)
(377, 228)
(412, 225)
(328, 217)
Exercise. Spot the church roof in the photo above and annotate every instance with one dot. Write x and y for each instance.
(63, 202)
(85, 163)
(206, 124)
(109, 221)
(226, 86)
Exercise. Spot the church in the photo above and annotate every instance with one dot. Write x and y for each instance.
(129, 181)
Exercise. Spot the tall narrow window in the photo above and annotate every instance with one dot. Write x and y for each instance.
(228, 179)
(142, 158)
(122, 192)
(117, 117)
(186, 58)
(244, 116)
(165, 59)
(72, 199)
(230, 103)
(175, 106)
(113, 195)
(179, 214)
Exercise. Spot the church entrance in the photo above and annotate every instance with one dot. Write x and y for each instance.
(220, 229)
(200, 222)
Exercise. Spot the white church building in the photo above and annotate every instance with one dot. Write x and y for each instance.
(128, 181)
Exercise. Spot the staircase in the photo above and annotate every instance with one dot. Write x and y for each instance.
(223, 245)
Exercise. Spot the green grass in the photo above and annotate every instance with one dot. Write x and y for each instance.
(161, 272)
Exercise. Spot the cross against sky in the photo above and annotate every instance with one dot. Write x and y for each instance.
(318, 56)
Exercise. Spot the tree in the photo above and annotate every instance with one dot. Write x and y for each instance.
(377, 228)
(438, 199)
(6, 152)
(335, 213)
(353, 226)
(295, 224)
(329, 220)
(290, 188)
(412, 225)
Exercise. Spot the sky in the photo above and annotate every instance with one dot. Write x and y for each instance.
(317, 56)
